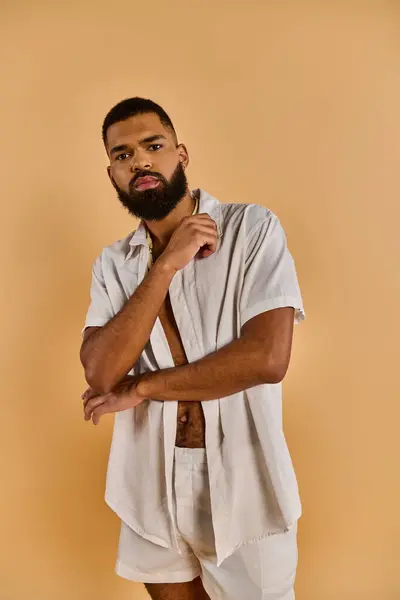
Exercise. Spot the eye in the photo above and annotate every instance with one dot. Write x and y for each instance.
(122, 156)
(155, 147)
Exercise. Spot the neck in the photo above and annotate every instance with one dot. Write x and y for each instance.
(161, 231)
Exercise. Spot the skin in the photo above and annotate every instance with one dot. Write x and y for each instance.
(260, 355)
(192, 590)
(161, 155)
(108, 353)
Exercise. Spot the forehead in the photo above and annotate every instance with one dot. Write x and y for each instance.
(134, 129)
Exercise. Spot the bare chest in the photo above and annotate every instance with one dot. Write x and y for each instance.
(190, 432)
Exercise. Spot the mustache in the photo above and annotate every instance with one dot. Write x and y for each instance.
(145, 174)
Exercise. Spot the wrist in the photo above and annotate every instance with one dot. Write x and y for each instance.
(164, 267)
(142, 386)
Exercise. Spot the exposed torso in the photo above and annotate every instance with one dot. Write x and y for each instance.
(190, 432)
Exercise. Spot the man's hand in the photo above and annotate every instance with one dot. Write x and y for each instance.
(122, 397)
(195, 236)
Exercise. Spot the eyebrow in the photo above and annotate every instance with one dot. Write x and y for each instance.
(147, 140)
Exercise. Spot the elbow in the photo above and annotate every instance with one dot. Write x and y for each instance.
(98, 381)
(97, 375)
(275, 373)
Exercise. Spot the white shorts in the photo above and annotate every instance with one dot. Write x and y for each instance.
(261, 570)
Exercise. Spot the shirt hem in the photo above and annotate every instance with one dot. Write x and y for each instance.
(126, 516)
(272, 303)
(181, 576)
(94, 323)
(257, 538)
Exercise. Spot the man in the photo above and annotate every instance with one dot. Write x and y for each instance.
(187, 339)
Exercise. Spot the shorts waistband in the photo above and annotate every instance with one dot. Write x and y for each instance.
(193, 456)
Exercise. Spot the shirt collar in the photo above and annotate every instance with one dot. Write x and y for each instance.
(207, 204)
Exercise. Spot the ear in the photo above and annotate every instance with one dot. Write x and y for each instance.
(183, 155)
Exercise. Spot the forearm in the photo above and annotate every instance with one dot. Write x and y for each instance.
(111, 352)
(238, 366)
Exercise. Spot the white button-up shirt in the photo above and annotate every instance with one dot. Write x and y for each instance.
(253, 487)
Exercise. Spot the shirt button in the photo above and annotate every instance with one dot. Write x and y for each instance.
(183, 419)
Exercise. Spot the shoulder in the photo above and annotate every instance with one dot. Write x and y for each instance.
(236, 218)
(246, 216)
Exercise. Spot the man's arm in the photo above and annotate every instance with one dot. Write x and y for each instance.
(261, 355)
(108, 353)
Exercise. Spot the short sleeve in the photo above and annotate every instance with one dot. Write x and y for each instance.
(270, 279)
(100, 309)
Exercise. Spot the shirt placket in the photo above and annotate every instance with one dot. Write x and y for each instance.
(183, 296)
(164, 359)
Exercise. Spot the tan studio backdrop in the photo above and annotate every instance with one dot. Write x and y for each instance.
(291, 104)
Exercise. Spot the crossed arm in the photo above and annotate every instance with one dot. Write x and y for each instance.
(260, 355)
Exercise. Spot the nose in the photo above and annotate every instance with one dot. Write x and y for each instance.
(141, 161)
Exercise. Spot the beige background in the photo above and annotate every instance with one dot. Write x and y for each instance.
(294, 105)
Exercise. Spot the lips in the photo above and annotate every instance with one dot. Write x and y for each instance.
(146, 183)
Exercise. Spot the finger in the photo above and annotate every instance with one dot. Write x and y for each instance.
(98, 412)
(207, 243)
(202, 217)
(206, 226)
(199, 223)
(203, 233)
(88, 400)
(209, 234)
(205, 252)
(89, 395)
(92, 404)
(199, 217)
(85, 394)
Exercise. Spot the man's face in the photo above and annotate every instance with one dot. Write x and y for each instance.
(146, 166)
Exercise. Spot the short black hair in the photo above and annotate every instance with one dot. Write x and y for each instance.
(130, 107)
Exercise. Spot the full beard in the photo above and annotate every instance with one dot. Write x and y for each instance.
(155, 204)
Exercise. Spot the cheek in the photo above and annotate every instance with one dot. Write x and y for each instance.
(121, 175)
(168, 166)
